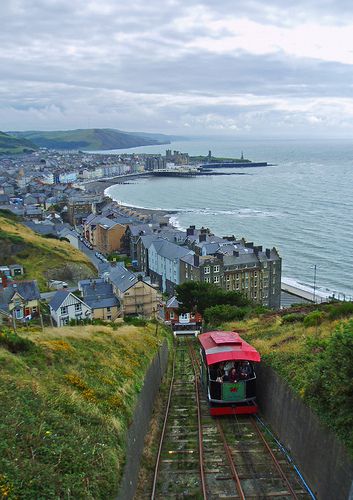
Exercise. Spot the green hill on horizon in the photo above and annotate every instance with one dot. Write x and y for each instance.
(91, 139)
(10, 144)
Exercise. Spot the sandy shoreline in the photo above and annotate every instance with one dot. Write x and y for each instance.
(141, 214)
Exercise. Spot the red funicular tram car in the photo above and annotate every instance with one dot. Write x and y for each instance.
(227, 373)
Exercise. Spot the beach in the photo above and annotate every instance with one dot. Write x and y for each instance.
(145, 215)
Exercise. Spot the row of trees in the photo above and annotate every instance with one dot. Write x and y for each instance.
(214, 304)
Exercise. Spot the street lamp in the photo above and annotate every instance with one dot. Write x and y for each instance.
(314, 287)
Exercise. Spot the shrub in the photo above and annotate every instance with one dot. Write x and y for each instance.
(341, 310)
(292, 318)
(314, 318)
(134, 320)
(216, 315)
(332, 381)
(14, 343)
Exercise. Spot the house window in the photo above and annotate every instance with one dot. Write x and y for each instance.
(228, 277)
(208, 280)
(65, 321)
(207, 270)
(216, 269)
(19, 313)
(184, 316)
(171, 315)
(64, 310)
(228, 286)
(34, 309)
(78, 307)
(109, 316)
(108, 309)
(216, 279)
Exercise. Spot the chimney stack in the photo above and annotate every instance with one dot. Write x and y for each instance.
(268, 253)
(202, 237)
(4, 280)
(196, 260)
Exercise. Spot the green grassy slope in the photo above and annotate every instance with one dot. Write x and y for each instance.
(42, 258)
(313, 352)
(66, 399)
(89, 139)
(14, 145)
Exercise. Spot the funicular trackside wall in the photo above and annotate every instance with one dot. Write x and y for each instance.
(321, 458)
(140, 424)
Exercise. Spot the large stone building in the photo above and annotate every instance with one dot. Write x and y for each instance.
(228, 262)
(105, 235)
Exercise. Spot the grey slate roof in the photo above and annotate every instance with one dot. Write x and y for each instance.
(189, 259)
(46, 228)
(121, 277)
(173, 302)
(27, 289)
(148, 240)
(170, 250)
(98, 293)
(58, 299)
(137, 229)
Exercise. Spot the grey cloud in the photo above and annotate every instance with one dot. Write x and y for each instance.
(112, 63)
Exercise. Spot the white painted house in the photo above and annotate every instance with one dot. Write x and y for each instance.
(65, 306)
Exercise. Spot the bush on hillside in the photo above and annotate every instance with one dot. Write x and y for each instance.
(292, 318)
(135, 321)
(341, 310)
(216, 315)
(314, 318)
(14, 343)
(331, 382)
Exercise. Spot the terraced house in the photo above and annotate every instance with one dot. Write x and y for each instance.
(234, 265)
(105, 235)
(164, 263)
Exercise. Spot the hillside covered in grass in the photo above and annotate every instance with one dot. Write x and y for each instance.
(14, 145)
(42, 258)
(91, 139)
(66, 399)
(313, 351)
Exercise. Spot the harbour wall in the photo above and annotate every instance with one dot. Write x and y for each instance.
(140, 423)
(321, 458)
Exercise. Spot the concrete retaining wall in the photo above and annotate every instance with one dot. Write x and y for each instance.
(140, 423)
(322, 460)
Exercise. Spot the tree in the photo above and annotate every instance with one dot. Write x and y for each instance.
(198, 296)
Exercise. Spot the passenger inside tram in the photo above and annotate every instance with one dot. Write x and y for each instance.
(231, 371)
(245, 370)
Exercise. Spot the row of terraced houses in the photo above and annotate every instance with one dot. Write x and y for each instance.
(171, 257)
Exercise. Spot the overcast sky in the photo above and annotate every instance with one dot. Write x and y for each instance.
(249, 67)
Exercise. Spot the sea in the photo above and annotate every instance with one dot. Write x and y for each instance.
(302, 203)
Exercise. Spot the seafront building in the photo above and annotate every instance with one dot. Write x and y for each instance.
(230, 263)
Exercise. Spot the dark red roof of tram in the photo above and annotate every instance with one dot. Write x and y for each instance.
(226, 346)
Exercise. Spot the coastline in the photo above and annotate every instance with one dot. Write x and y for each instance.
(144, 215)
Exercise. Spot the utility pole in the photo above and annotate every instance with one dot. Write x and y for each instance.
(314, 293)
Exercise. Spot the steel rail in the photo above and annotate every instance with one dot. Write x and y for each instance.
(158, 459)
(200, 434)
(274, 459)
(231, 462)
(227, 449)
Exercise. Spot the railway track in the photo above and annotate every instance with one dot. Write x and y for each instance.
(216, 458)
